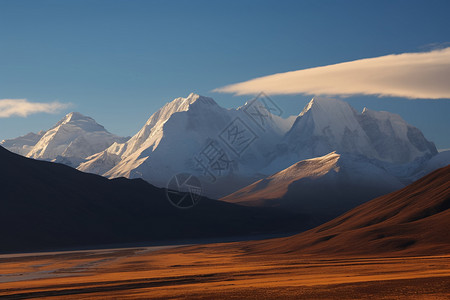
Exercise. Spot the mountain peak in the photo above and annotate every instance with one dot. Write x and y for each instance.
(325, 104)
(75, 137)
(331, 115)
(194, 98)
(80, 120)
(330, 124)
(74, 116)
(183, 104)
(384, 115)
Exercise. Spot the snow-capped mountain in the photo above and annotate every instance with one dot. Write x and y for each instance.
(328, 147)
(23, 144)
(196, 135)
(329, 184)
(70, 141)
(327, 125)
(231, 148)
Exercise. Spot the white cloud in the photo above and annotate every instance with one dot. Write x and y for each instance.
(23, 108)
(424, 75)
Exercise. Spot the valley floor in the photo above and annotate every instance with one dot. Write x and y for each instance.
(218, 271)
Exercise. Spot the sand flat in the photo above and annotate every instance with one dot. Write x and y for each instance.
(219, 271)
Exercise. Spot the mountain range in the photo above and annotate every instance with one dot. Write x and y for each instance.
(228, 149)
(234, 152)
(222, 147)
(272, 174)
(47, 206)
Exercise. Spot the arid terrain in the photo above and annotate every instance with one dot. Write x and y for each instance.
(219, 271)
(393, 247)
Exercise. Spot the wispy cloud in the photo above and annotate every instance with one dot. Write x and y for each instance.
(423, 75)
(434, 46)
(23, 108)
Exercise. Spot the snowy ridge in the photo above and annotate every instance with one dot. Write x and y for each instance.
(393, 139)
(151, 132)
(312, 168)
(329, 184)
(127, 155)
(70, 141)
(23, 144)
(173, 137)
(327, 125)
(326, 112)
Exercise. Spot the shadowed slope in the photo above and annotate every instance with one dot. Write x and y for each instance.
(328, 185)
(45, 205)
(414, 220)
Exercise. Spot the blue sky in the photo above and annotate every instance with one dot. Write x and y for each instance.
(119, 61)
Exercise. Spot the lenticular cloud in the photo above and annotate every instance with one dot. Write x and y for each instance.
(424, 75)
(23, 108)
